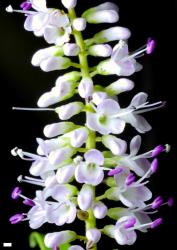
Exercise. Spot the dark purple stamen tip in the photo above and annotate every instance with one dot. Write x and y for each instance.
(157, 202)
(156, 223)
(26, 5)
(154, 166)
(170, 202)
(130, 223)
(29, 202)
(151, 44)
(16, 193)
(115, 171)
(17, 218)
(157, 150)
(130, 179)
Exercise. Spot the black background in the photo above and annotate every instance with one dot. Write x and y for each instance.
(22, 84)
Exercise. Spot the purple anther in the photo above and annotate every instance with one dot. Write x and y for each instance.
(130, 223)
(156, 223)
(16, 193)
(130, 179)
(157, 203)
(151, 44)
(170, 202)
(157, 150)
(115, 171)
(154, 166)
(29, 202)
(17, 218)
(26, 5)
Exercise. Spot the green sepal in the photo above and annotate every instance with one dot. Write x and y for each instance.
(112, 194)
(64, 246)
(37, 240)
(115, 213)
(109, 230)
(110, 182)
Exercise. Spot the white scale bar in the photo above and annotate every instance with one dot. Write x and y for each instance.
(7, 244)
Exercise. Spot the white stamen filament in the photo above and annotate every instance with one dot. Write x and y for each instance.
(11, 10)
(33, 179)
(150, 107)
(33, 109)
(20, 179)
(144, 176)
(140, 226)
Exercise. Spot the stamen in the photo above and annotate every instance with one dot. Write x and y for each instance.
(150, 107)
(157, 203)
(115, 171)
(17, 218)
(154, 166)
(151, 44)
(26, 5)
(33, 179)
(20, 179)
(170, 202)
(33, 109)
(16, 193)
(157, 150)
(130, 223)
(29, 202)
(11, 10)
(130, 179)
(156, 223)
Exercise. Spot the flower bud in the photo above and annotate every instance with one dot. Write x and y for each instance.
(71, 49)
(99, 210)
(120, 86)
(59, 128)
(98, 97)
(85, 197)
(79, 24)
(73, 76)
(116, 145)
(65, 173)
(55, 63)
(65, 112)
(93, 235)
(52, 240)
(69, 4)
(102, 50)
(112, 34)
(85, 87)
(78, 137)
(58, 156)
(47, 99)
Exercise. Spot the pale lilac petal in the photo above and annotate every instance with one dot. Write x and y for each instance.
(108, 107)
(39, 5)
(75, 247)
(120, 51)
(37, 21)
(93, 235)
(116, 125)
(65, 173)
(94, 124)
(116, 145)
(94, 156)
(139, 99)
(135, 145)
(92, 175)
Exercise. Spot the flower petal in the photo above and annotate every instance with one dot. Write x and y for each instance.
(108, 107)
(135, 145)
(116, 145)
(85, 197)
(139, 99)
(94, 156)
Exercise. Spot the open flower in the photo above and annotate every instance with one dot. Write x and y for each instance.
(110, 118)
(123, 63)
(90, 170)
(53, 24)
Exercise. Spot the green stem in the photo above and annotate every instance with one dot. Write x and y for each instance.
(91, 141)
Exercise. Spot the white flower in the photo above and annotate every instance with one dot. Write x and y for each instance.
(50, 59)
(120, 86)
(85, 87)
(65, 112)
(75, 247)
(53, 240)
(37, 215)
(110, 118)
(109, 35)
(90, 171)
(103, 13)
(65, 173)
(130, 192)
(93, 235)
(53, 24)
(99, 210)
(71, 49)
(79, 24)
(59, 128)
(122, 235)
(85, 197)
(101, 50)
